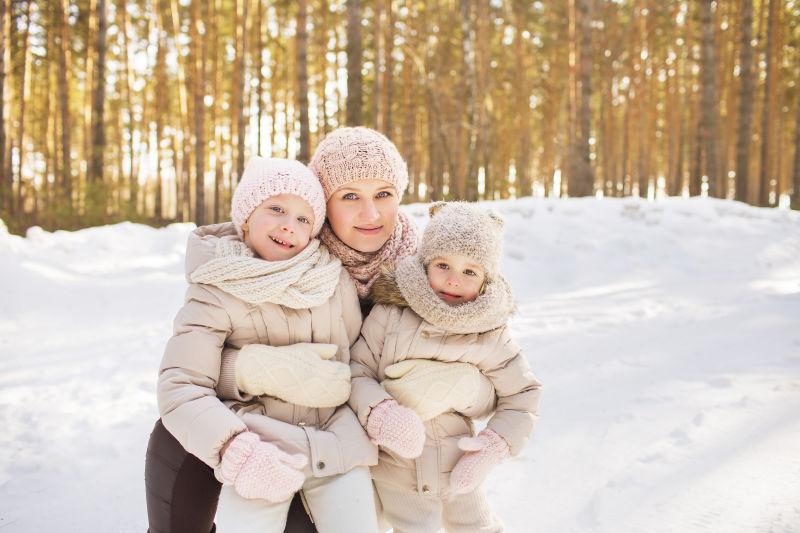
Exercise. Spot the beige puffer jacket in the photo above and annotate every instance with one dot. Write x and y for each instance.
(191, 375)
(393, 332)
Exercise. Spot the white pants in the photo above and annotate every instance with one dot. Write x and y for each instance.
(409, 512)
(343, 503)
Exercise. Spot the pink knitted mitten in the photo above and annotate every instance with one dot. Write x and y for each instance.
(261, 470)
(483, 453)
(397, 428)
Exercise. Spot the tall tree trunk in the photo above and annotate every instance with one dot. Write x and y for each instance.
(241, 54)
(470, 180)
(302, 82)
(354, 81)
(5, 183)
(522, 163)
(709, 103)
(747, 96)
(259, 32)
(23, 100)
(198, 36)
(95, 174)
(765, 170)
(162, 109)
(181, 142)
(388, 71)
(219, 178)
(796, 167)
(63, 96)
(581, 176)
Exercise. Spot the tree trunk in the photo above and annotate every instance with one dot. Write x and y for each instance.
(470, 180)
(746, 98)
(95, 173)
(63, 96)
(241, 51)
(302, 82)
(581, 179)
(765, 170)
(796, 167)
(354, 81)
(23, 99)
(5, 183)
(709, 103)
(388, 71)
(199, 44)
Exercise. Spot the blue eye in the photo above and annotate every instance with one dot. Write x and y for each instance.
(304, 220)
(276, 208)
(350, 196)
(443, 266)
(384, 194)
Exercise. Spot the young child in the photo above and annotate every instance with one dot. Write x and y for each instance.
(447, 303)
(264, 285)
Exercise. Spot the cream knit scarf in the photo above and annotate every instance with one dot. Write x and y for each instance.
(306, 280)
(363, 267)
(488, 311)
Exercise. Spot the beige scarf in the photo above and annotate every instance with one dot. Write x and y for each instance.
(306, 280)
(363, 267)
(488, 311)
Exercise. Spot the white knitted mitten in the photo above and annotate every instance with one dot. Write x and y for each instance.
(431, 388)
(299, 373)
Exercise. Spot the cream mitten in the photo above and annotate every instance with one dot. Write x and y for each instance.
(434, 387)
(300, 373)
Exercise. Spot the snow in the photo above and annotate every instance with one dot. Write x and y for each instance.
(667, 336)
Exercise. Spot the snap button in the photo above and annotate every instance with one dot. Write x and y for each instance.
(320, 465)
(426, 334)
(426, 489)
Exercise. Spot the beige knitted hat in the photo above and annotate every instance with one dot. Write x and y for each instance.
(465, 229)
(352, 154)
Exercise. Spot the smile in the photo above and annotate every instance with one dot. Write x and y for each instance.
(370, 231)
(281, 243)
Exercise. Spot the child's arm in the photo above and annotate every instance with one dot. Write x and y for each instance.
(517, 392)
(189, 373)
(365, 389)
(388, 423)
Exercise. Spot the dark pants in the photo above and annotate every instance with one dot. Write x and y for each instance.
(182, 492)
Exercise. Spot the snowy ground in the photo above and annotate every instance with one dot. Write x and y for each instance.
(667, 336)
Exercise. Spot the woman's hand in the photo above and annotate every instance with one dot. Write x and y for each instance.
(302, 373)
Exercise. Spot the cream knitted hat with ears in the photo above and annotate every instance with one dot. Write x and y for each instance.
(267, 177)
(353, 154)
(465, 229)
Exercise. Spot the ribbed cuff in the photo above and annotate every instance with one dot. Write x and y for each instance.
(228, 387)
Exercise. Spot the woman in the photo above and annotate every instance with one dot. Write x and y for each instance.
(364, 177)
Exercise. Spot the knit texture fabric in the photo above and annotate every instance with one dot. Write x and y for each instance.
(364, 268)
(306, 280)
(396, 428)
(465, 229)
(259, 469)
(488, 311)
(299, 373)
(264, 178)
(483, 453)
(431, 388)
(353, 154)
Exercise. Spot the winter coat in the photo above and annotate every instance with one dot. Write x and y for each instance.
(392, 333)
(192, 376)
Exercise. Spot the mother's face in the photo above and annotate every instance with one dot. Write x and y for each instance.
(363, 213)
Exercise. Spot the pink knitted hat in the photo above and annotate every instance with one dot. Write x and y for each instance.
(352, 154)
(267, 177)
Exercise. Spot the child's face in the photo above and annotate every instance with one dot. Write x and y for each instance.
(363, 213)
(456, 279)
(280, 227)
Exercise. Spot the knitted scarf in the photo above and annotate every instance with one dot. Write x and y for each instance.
(306, 280)
(488, 311)
(363, 267)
